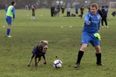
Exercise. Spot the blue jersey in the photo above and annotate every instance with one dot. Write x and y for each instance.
(91, 23)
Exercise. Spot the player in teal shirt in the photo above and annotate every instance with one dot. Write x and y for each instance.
(90, 34)
(10, 14)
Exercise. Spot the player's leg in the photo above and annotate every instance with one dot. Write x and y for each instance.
(96, 43)
(85, 41)
(81, 13)
(33, 15)
(98, 55)
(9, 31)
(81, 53)
(106, 23)
(9, 22)
(102, 22)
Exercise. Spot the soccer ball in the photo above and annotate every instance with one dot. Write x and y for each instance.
(57, 63)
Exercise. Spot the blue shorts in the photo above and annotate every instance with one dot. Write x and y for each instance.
(89, 38)
(9, 20)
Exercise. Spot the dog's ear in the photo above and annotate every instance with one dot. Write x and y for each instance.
(40, 41)
(44, 42)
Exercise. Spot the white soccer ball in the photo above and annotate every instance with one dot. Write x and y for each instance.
(57, 63)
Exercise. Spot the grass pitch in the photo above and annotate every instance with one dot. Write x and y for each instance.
(63, 35)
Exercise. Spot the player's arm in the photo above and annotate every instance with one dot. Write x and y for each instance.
(99, 22)
(6, 9)
(13, 11)
(99, 25)
(87, 19)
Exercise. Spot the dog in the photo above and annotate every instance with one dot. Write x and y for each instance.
(39, 51)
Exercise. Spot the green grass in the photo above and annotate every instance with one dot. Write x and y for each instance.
(64, 42)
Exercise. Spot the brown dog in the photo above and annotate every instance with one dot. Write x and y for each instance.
(39, 51)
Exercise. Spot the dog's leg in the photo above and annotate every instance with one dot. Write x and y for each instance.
(44, 57)
(36, 64)
(30, 60)
(39, 58)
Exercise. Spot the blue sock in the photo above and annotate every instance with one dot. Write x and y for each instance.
(8, 32)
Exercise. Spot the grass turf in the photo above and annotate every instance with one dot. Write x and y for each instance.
(63, 35)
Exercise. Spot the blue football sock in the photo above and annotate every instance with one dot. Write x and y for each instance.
(8, 32)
